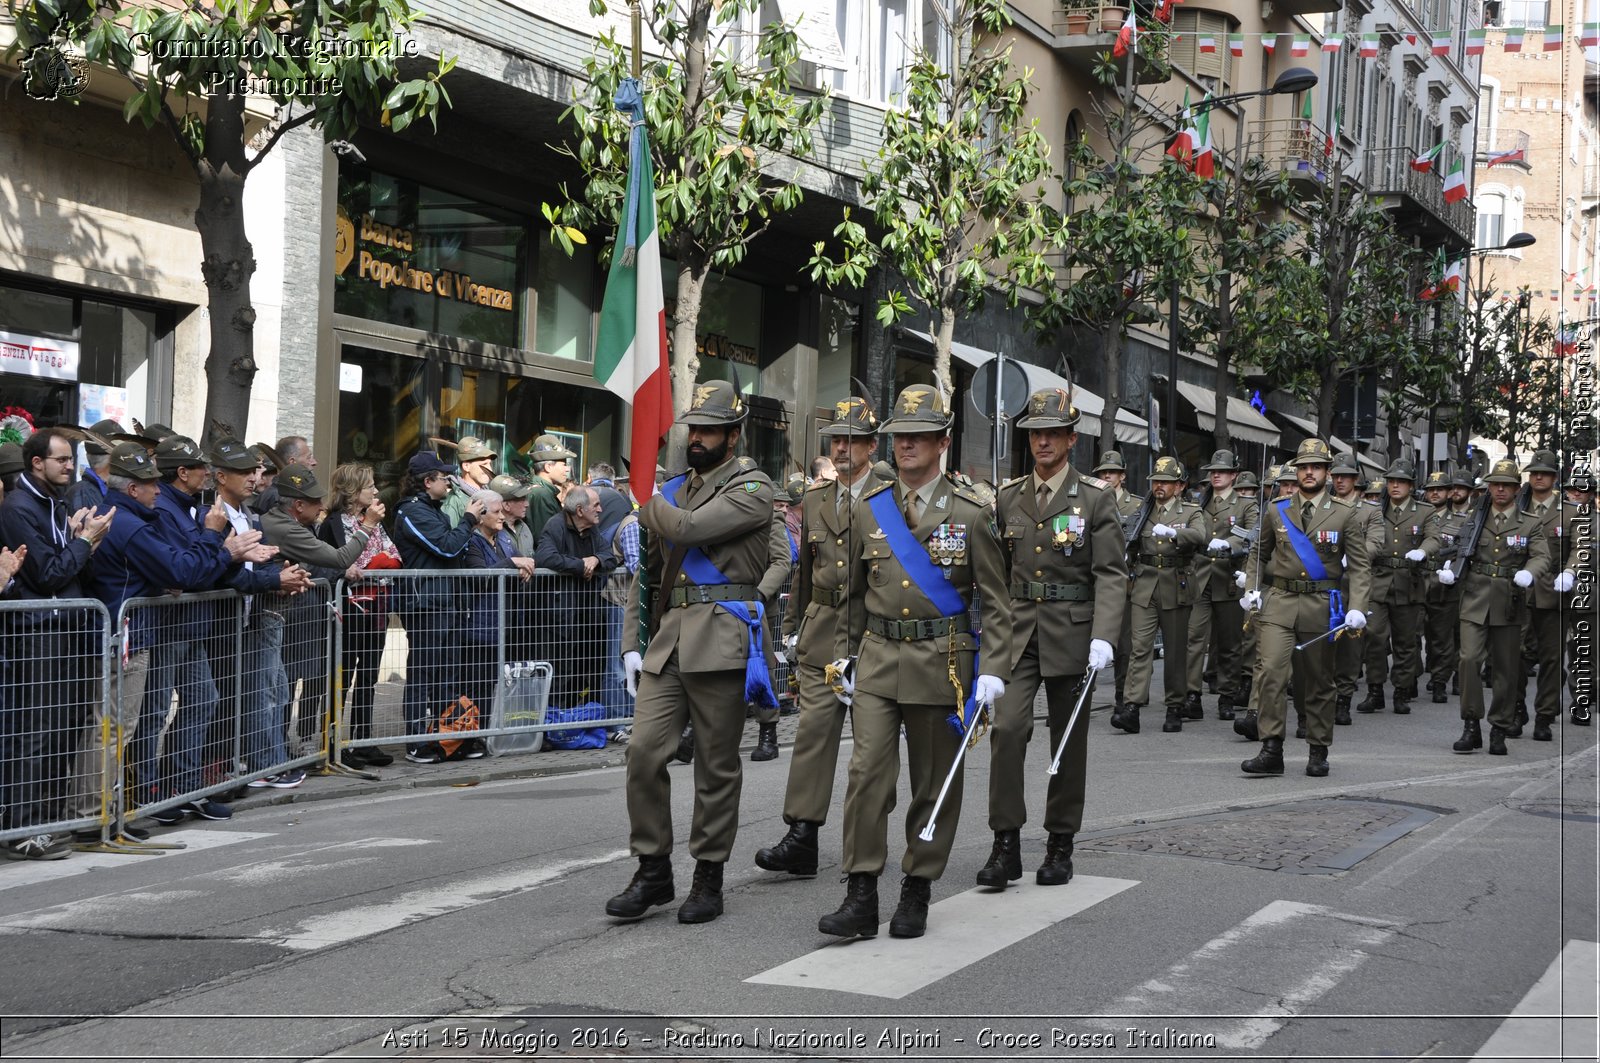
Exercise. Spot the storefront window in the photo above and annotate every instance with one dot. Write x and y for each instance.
(729, 326)
(565, 288)
(838, 340)
(381, 410)
(411, 255)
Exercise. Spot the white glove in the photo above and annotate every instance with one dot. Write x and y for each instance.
(1564, 581)
(632, 665)
(790, 643)
(1416, 555)
(1252, 601)
(1238, 580)
(842, 676)
(1523, 578)
(988, 689)
(1100, 654)
(1447, 576)
(1219, 545)
(1355, 620)
(1164, 531)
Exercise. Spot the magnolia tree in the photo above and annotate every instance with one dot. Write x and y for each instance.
(195, 68)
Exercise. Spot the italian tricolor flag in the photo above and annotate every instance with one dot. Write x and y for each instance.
(1424, 163)
(1441, 43)
(1552, 38)
(1455, 184)
(1236, 45)
(1514, 36)
(1475, 41)
(1127, 37)
(1369, 46)
(630, 357)
(1591, 35)
(1205, 159)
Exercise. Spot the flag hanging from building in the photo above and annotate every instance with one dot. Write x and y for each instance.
(1182, 147)
(1513, 43)
(1333, 133)
(1236, 44)
(1453, 275)
(1305, 111)
(1269, 43)
(1435, 278)
(1591, 35)
(1552, 38)
(1208, 44)
(1332, 44)
(1455, 183)
(1567, 340)
(630, 357)
(1475, 41)
(1127, 37)
(1509, 155)
(1301, 44)
(1162, 12)
(1424, 163)
(1369, 46)
(1205, 158)
(1441, 43)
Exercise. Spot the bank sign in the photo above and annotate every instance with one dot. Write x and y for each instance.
(37, 356)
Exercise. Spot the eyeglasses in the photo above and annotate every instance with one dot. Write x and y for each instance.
(64, 459)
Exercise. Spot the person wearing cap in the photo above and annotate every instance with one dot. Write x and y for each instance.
(519, 538)
(572, 546)
(10, 466)
(1162, 595)
(1114, 471)
(1247, 485)
(1288, 483)
(927, 545)
(1497, 587)
(1232, 519)
(1292, 582)
(1068, 592)
(818, 633)
(90, 490)
(1441, 605)
(1543, 637)
(1345, 483)
(710, 535)
(430, 609)
(552, 471)
(476, 459)
(1400, 550)
(1373, 493)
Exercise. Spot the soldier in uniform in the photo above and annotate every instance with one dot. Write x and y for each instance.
(1163, 592)
(1216, 610)
(1304, 542)
(782, 553)
(551, 473)
(1069, 580)
(1288, 482)
(1443, 604)
(1511, 554)
(709, 544)
(1344, 480)
(1114, 472)
(818, 633)
(927, 545)
(1561, 525)
(1401, 549)
(1247, 485)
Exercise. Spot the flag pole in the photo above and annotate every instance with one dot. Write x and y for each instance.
(635, 20)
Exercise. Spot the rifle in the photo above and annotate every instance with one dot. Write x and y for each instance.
(1134, 525)
(1467, 544)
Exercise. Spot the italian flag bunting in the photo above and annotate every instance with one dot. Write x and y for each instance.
(1208, 44)
(1513, 43)
(1332, 44)
(1552, 38)
(1591, 35)
(1236, 45)
(630, 357)
(1435, 278)
(1127, 37)
(1441, 43)
(1475, 41)
(1305, 111)
(1453, 275)
(1269, 43)
(1455, 184)
(1369, 46)
(1301, 45)
(1333, 133)
(1424, 163)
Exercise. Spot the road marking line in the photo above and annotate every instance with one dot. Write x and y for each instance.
(1556, 1018)
(347, 924)
(34, 871)
(964, 929)
(1191, 987)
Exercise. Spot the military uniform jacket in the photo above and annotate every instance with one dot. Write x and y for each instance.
(1127, 505)
(830, 542)
(1338, 531)
(728, 515)
(1401, 528)
(1445, 526)
(916, 671)
(1230, 518)
(1163, 569)
(1511, 541)
(1078, 543)
(1563, 527)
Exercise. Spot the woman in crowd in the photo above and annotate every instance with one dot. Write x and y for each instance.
(486, 551)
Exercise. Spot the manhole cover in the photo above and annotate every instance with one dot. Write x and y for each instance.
(1302, 838)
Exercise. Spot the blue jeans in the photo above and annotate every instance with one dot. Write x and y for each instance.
(614, 691)
(264, 694)
(432, 636)
(188, 670)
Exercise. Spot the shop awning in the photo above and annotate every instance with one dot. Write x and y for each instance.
(1130, 428)
(1244, 420)
(1377, 470)
(1308, 429)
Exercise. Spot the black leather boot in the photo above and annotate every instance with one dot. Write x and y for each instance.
(1057, 867)
(766, 742)
(1515, 730)
(1455, 684)
(1374, 700)
(651, 885)
(686, 745)
(1341, 709)
(910, 920)
(1225, 706)
(1245, 686)
(1267, 762)
(796, 853)
(1497, 741)
(1436, 690)
(1541, 728)
(1174, 720)
(1317, 763)
(857, 917)
(1410, 692)
(1580, 716)
(1245, 726)
(1005, 860)
(1128, 720)
(1402, 701)
(1471, 737)
(1300, 724)
(1193, 709)
(704, 902)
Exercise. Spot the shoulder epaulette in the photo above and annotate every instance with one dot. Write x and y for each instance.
(872, 489)
(746, 464)
(1094, 481)
(973, 493)
(820, 485)
(1013, 481)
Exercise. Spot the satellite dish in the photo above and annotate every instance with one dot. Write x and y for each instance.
(1013, 389)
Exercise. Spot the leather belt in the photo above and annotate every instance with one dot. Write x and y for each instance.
(682, 597)
(1391, 562)
(1497, 571)
(1302, 586)
(834, 597)
(1163, 561)
(913, 630)
(1052, 592)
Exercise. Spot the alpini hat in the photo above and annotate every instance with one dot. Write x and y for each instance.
(715, 403)
(1438, 478)
(1285, 474)
(233, 455)
(1374, 487)
(508, 487)
(794, 490)
(297, 481)
(1168, 470)
(1344, 465)
(1461, 477)
(1504, 472)
(133, 461)
(1400, 469)
(1112, 460)
(919, 408)
(178, 452)
(471, 448)
(1221, 461)
(1050, 408)
(852, 417)
(1312, 452)
(1247, 479)
(549, 448)
(1544, 461)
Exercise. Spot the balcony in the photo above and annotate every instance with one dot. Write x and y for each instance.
(1086, 30)
(1504, 140)
(1416, 200)
(1296, 148)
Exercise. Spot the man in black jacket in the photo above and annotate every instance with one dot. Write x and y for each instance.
(571, 544)
(56, 655)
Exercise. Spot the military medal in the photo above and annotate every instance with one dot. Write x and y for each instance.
(948, 545)
(1066, 533)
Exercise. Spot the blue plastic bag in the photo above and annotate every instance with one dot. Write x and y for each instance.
(577, 737)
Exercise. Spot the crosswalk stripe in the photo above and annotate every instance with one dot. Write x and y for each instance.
(347, 924)
(36, 871)
(1555, 1019)
(1214, 977)
(962, 930)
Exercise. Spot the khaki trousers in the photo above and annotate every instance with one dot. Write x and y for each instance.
(1443, 626)
(1544, 625)
(1393, 624)
(1502, 643)
(98, 773)
(1008, 749)
(931, 745)
(1224, 617)
(815, 757)
(1174, 625)
(714, 702)
(1295, 618)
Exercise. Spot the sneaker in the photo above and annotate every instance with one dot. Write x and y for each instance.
(264, 782)
(39, 847)
(206, 808)
(135, 834)
(376, 757)
(168, 816)
(288, 780)
(427, 753)
(475, 748)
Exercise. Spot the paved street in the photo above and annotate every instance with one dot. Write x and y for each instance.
(1414, 905)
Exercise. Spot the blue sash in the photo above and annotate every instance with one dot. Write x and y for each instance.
(930, 580)
(1307, 553)
(757, 682)
(794, 548)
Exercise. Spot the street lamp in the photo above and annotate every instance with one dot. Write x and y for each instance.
(1295, 79)
(1516, 241)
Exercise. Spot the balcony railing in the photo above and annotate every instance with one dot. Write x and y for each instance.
(1295, 146)
(1086, 29)
(1504, 140)
(1417, 199)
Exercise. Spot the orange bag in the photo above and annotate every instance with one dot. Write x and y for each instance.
(460, 716)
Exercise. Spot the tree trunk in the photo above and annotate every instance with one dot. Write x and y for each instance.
(1111, 345)
(1325, 402)
(943, 337)
(685, 351)
(228, 263)
(1222, 384)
